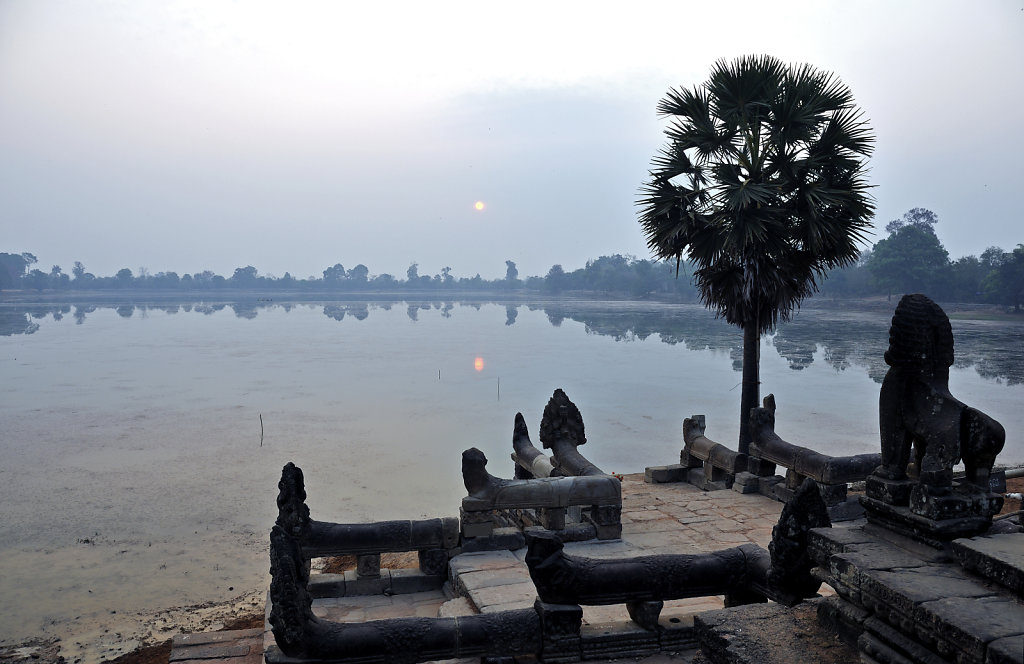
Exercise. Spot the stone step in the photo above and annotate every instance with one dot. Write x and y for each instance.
(242, 646)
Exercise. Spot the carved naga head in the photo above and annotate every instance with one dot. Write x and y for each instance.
(561, 421)
(292, 511)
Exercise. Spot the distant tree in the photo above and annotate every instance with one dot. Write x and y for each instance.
(58, 280)
(763, 185)
(78, 270)
(12, 269)
(921, 218)
(1005, 284)
(911, 259)
(992, 258)
(446, 276)
(124, 277)
(358, 275)
(36, 280)
(412, 274)
(511, 272)
(334, 274)
(555, 279)
(244, 276)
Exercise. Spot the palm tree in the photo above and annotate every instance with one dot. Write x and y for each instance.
(763, 186)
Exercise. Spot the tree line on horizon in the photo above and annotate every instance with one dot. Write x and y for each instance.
(910, 259)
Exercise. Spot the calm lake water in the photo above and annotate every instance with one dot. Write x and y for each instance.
(136, 473)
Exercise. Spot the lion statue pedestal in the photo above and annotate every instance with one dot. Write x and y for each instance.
(916, 494)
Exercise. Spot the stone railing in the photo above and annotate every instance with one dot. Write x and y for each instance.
(713, 466)
(708, 464)
(497, 510)
(745, 574)
(435, 540)
(298, 633)
(831, 473)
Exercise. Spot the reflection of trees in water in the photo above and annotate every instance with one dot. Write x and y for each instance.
(842, 339)
(16, 322)
(246, 310)
(81, 311)
(357, 310)
(995, 350)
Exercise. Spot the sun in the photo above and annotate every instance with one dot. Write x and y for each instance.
(479, 205)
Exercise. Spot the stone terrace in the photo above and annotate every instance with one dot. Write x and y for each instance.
(656, 519)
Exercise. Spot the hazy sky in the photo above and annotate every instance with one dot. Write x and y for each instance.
(185, 136)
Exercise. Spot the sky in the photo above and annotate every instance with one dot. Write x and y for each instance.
(208, 135)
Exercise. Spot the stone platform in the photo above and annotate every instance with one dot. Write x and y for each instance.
(902, 601)
(656, 519)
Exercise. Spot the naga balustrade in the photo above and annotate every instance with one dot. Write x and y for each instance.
(299, 633)
(744, 574)
(711, 465)
(831, 473)
(435, 540)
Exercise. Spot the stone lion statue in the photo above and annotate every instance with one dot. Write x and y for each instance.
(917, 412)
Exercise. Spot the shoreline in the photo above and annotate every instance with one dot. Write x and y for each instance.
(136, 638)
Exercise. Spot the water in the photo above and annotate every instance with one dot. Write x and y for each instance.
(136, 473)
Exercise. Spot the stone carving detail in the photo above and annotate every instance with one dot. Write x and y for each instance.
(790, 571)
(925, 431)
(561, 421)
(561, 431)
(291, 608)
(292, 511)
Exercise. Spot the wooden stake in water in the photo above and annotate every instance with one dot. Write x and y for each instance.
(499, 388)
(261, 429)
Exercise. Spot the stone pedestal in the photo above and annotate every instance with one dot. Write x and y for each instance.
(560, 631)
(929, 514)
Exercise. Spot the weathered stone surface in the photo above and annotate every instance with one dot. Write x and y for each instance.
(903, 520)
(999, 558)
(884, 644)
(664, 474)
(963, 628)
(617, 640)
(904, 589)
(1009, 650)
(500, 538)
(769, 634)
(745, 482)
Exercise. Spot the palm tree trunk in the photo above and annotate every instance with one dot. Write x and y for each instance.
(751, 381)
